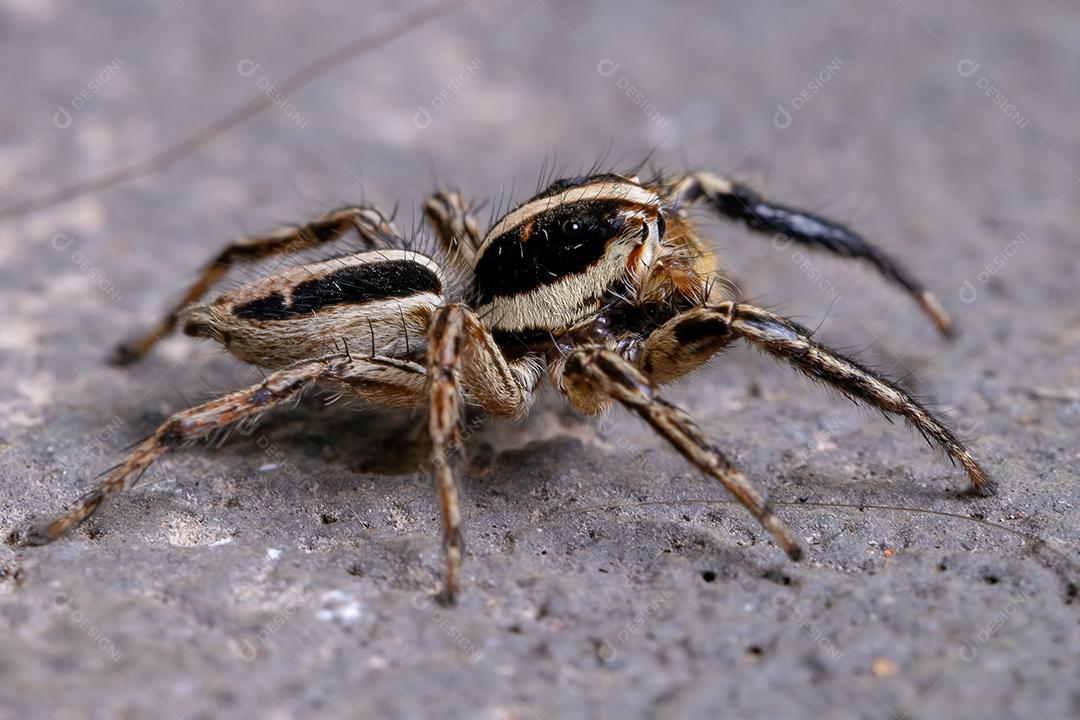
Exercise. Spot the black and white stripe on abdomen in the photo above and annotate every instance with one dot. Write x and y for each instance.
(351, 280)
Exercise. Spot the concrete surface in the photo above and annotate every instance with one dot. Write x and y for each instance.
(287, 573)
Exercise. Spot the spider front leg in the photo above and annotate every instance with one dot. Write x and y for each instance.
(189, 425)
(372, 226)
(598, 371)
(740, 202)
(463, 357)
(790, 342)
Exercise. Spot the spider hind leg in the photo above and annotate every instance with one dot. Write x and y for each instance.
(184, 427)
(374, 228)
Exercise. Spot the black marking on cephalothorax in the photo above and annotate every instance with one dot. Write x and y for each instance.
(353, 285)
(562, 241)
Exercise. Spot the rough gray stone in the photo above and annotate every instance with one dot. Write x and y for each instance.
(287, 573)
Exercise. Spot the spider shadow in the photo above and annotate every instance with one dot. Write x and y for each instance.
(348, 440)
(318, 437)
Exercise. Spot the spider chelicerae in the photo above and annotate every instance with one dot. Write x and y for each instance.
(599, 284)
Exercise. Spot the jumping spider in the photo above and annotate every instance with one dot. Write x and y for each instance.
(598, 283)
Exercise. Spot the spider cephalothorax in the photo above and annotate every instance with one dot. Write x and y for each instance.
(599, 284)
(555, 260)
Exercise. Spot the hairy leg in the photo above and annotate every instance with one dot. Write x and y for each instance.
(375, 229)
(455, 226)
(598, 370)
(189, 425)
(740, 202)
(463, 358)
(790, 342)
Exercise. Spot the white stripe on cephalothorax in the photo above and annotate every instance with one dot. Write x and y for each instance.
(603, 190)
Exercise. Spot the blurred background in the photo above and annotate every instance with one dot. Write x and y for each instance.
(287, 573)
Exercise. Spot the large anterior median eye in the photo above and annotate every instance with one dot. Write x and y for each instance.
(582, 226)
(572, 228)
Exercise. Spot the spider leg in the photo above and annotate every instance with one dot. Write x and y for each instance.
(462, 357)
(375, 229)
(189, 425)
(740, 202)
(444, 426)
(598, 370)
(455, 225)
(786, 340)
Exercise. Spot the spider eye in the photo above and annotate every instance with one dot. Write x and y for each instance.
(661, 225)
(572, 227)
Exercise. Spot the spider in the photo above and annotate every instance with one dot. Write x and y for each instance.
(599, 284)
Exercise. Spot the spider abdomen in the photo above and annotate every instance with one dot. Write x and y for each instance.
(377, 303)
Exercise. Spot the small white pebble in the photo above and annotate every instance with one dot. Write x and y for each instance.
(273, 553)
(338, 606)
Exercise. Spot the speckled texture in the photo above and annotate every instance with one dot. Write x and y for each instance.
(287, 573)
